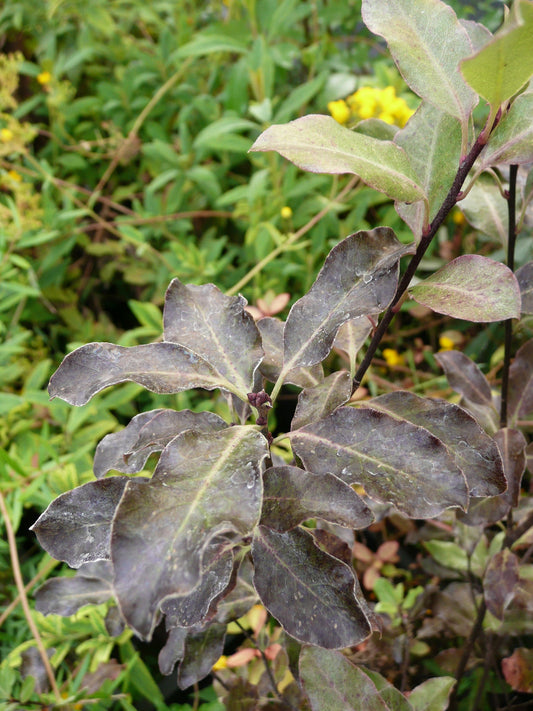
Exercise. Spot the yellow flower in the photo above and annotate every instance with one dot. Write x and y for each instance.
(458, 217)
(392, 357)
(14, 175)
(6, 135)
(446, 343)
(221, 663)
(44, 78)
(369, 102)
(339, 110)
(286, 212)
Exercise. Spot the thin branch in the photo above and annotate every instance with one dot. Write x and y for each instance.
(423, 245)
(17, 574)
(41, 574)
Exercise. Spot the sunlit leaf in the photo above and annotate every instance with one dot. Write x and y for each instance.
(315, 403)
(395, 461)
(159, 367)
(359, 277)
(333, 683)
(473, 450)
(432, 695)
(271, 330)
(505, 64)
(127, 450)
(313, 595)
(321, 145)
(76, 527)
(427, 43)
(432, 140)
(473, 288)
(292, 495)
(215, 327)
(206, 491)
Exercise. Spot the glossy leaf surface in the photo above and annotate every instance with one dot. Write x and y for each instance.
(215, 327)
(427, 43)
(127, 450)
(395, 461)
(312, 594)
(321, 145)
(359, 277)
(159, 367)
(76, 527)
(315, 403)
(292, 495)
(473, 450)
(206, 491)
(473, 288)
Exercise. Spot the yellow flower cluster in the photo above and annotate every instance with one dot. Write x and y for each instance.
(368, 102)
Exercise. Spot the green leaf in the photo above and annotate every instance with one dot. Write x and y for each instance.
(395, 461)
(486, 209)
(512, 140)
(321, 145)
(427, 43)
(432, 695)
(205, 492)
(473, 288)
(293, 573)
(432, 141)
(333, 683)
(505, 64)
(448, 554)
(209, 42)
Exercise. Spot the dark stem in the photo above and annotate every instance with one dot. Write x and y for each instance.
(469, 646)
(427, 237)
(511, 242)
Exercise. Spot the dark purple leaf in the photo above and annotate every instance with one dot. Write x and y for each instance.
(395, 461)
(127, 450)
(173, 650)
(312, 594)
(473, 450)
(215, 327)
(524, 276)
(271, 330)
(192, 609)
(202, 649)
(359, 277)
(242, 598)
(319, 401)
(352, 335)
(65, 596)
(159, 367)
(465, 377)
(486, 511)
(76, 527)
(206, 491)
(521, 383)
(500, 581)
(292, 495)
(471, 287)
